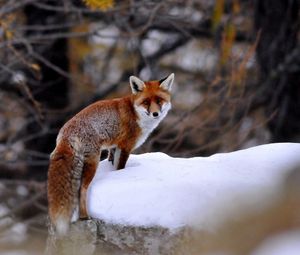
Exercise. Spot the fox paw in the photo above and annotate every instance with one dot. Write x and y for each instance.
(85, 218)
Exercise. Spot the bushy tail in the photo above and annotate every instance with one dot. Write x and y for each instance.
(64, 177)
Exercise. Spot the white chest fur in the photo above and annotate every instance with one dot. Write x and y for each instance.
(147, 126)
(148, 123)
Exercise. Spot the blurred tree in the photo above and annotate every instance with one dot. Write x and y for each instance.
(51, 87)
(144, 34)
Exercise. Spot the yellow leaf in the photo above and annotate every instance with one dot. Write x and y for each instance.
(217, 14)
(103, 5)
(8, 34)
(35, 67)
(227, 42)
(236, 8)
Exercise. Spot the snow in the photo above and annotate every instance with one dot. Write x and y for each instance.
(287, 243)
(157, 190)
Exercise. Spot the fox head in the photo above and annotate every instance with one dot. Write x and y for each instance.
(152, 98)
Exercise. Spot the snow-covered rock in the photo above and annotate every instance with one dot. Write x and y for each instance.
(151, 202)
(157, 190)
(150, 206)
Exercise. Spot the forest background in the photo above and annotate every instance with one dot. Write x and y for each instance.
(236, 62)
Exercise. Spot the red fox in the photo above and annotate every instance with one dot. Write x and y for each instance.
(119, 125)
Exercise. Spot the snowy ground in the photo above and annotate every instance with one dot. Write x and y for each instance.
(157, 190)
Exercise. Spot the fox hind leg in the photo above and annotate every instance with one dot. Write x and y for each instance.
(111, 155)
(89, 170)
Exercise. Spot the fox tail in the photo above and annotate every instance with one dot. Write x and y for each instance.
(64, 178)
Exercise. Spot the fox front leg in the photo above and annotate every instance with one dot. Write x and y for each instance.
(120, 158)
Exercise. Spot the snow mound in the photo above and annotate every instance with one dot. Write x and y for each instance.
(286, 243)
(157, 190)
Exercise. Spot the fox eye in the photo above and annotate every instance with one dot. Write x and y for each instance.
(146, 102)
(158, 100)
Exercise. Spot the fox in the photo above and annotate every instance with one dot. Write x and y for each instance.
(118, 125)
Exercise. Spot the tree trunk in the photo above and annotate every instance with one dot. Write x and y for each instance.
(279, 59)
(52, 89)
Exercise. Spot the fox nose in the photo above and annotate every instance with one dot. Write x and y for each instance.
(155, 114)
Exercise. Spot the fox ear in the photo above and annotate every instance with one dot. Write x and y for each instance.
(167, 82)
(136, 84)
